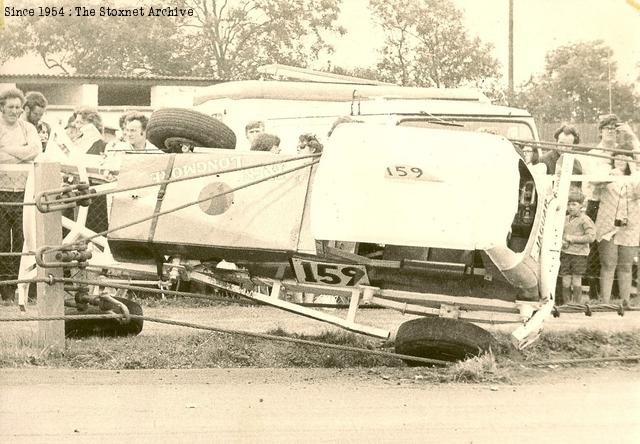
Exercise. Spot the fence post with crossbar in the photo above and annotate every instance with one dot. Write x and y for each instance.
(49, 233)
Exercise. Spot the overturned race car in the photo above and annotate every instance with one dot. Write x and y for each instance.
(418, 203)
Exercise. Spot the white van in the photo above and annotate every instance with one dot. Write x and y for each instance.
(288, 108)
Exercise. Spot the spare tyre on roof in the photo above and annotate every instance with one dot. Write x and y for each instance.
(170, 129)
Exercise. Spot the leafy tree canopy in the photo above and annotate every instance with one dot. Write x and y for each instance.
(225, 39)
(233, 38)
(98, 45)
(426, 44)
(575, 86)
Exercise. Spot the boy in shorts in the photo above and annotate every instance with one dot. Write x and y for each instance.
(579, 232)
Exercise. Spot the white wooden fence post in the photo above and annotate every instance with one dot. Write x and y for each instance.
(49, 232)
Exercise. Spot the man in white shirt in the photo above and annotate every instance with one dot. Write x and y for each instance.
(135, 140)
(135, 135)
(19, 140)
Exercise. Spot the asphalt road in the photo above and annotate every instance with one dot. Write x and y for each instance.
(314, 405)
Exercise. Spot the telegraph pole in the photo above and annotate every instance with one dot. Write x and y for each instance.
(609, 76)
(511, 90)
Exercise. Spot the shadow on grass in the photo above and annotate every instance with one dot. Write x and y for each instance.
(207, 350)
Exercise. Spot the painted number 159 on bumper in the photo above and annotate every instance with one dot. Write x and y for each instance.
(326, 273)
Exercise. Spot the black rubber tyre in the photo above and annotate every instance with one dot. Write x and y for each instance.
(78, 328)
(170, 127)
(441, 338)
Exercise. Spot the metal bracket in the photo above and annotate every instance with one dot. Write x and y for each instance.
(449, 311)
(72, 255)
(175, 270)
(74, 195)
(106, 302)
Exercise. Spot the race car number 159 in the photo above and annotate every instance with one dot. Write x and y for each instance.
(404, 172)
(312, 272)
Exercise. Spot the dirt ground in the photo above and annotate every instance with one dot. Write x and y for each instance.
(261, 319)
(314, 405)
(549, 404)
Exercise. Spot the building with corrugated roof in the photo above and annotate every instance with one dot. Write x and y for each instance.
(112, 95)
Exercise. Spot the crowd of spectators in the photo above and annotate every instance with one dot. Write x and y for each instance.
(24, 136)
(612, 206)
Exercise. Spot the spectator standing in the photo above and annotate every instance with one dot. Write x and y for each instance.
(70, 129)
(44, 131)
(568, 135)
(135, 133)
(19, 143)
(266, 142)
(88, 137)
(607, 126)
(252, 129)
(592, 165)
(532, 160)
(309, 144)
(35, 104)
(579, 232)
(626, 139)
(618, 228)
(121, 124)
(88, 134)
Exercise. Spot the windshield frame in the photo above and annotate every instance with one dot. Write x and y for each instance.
(468, 118)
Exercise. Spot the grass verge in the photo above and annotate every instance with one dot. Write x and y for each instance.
(207, 350)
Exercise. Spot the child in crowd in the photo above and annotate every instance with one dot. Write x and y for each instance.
(579, 232)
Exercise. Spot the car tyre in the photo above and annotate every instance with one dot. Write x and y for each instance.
(441, 338)
(172, 129)
(78, 328)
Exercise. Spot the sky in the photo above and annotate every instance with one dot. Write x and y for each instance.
(539, 26)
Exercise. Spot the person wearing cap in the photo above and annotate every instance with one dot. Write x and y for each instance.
(579, 232)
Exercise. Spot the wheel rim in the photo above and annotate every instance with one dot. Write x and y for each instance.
(179, 144)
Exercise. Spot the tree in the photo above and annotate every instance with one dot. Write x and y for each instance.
(233, 38)
(575, 86)
(98, 45)
(227, 39)
(426, 44)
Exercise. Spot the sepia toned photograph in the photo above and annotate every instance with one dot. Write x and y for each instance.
(319, 221)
